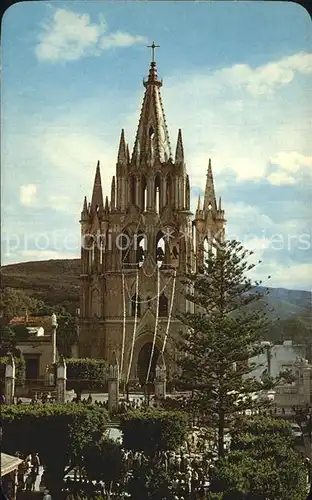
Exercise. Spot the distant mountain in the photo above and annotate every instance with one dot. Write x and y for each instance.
(56, 282)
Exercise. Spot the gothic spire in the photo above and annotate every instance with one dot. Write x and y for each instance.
(210, 197)
(122, 152)
(152, 136)
(198, 203)
(97, 195)
(85, 212)
(179, 155)
(106, 205)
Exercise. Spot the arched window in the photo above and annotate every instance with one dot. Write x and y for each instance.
(135, 303)
(163, 305)
(187, 194)
(169, 192)
(157, 197)
(143, 194)
(206, 247)
(123, 243)
(160, 248)
(90, 247)
(151, 133)
(140, 247)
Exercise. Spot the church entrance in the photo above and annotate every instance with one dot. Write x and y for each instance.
(143, 362)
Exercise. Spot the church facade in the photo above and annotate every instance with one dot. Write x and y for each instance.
(137, 246)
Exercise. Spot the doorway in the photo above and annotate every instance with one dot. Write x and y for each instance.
(143, 362)
(31, 368)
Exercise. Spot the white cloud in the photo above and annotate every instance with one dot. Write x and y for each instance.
(266, 79)
(28, 194)
(242, 117)
(291, 168)
(68, 36)
(120, 39)
(293, 276)
(280, 178)
(292, 161)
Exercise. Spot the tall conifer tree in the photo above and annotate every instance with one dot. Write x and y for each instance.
(224, 332)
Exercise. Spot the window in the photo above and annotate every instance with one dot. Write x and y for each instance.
(143, 194)
(160, 248)
(157, 194)
(169, 190)
(163, 305)
(124, 242)
(140, 247)
(132, 190)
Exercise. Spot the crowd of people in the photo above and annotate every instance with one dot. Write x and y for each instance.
(188, 473)
(28, 471)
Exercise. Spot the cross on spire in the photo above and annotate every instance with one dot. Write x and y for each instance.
(153, 47)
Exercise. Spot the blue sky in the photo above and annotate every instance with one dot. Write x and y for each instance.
(237, 80)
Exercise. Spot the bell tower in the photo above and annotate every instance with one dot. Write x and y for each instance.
(209, 221)
(137, 246)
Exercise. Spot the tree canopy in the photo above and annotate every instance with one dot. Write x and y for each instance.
(86, 374)
(14, 302)
(262, 464)
(153, 430)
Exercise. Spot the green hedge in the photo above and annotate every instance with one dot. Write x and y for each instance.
(19, 369)
(153, 430)
(58, 432)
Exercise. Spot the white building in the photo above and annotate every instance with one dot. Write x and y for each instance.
(277, 358)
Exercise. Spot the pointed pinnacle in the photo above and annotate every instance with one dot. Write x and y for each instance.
(85, 205)
(198, 203)
(106, 204)
(97, 195)
(85, 212)
(128, 154)
(179, 155)
(219, 203)
(210, 197)
(122, 152)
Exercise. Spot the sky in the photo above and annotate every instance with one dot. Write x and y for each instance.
(237, 79)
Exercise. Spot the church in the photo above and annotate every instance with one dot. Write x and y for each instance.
(137, 245)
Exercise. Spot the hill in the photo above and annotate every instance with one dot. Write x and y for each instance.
(56, 282)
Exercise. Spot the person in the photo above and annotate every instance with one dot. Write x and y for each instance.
(2, 399)
(46, 495)
(35, 462)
